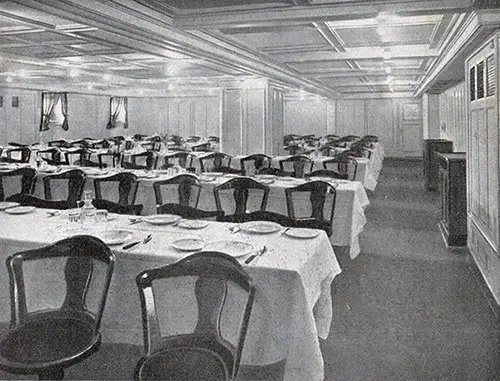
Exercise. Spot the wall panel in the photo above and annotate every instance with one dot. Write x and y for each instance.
(453, 116)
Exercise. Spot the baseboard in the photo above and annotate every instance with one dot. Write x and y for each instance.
(481, 283)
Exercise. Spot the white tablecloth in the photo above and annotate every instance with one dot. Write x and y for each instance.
(293, 301)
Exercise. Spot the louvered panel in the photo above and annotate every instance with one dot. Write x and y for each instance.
(490, 76)
(480, 80)
(472, 80)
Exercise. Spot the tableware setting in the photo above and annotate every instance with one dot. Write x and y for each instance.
(161, 219)
(20, 210)
(213, 174)
(260, 227)
(233, 248)
(256, 255)
(192, 224)
(148, 238)
(302, 233)
(134, 220)
(6, 205)
(188, 244)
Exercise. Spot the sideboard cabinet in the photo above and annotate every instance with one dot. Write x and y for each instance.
(431, 162)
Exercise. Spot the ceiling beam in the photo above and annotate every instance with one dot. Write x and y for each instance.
(211, 19)
(332, 73)
(363, 53)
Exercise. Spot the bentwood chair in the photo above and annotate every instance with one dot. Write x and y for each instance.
(217, 162)
(122, 200)
(182, 189)
(30, 200)
(16, 155)
(296, 166)
(181, 158)
(206, 352)
(24, 177)
(272, 171)
(58, 295)
(149, 159)
(252, 164)
(322, 197)
(342, 165)
(74, 181)
(239, 189)
(327, 173)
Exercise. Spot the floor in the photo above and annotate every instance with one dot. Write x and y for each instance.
(407, 308)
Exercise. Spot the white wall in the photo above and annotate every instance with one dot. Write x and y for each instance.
(88, 116)
(453, 116)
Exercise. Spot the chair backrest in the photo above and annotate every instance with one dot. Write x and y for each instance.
(342, 164)
(252, 164)
(26, 176)
(318, 192)
(86, 287)
(188, 212)
(114, 207)
(78, 156)
(75, 183)
(296, 166)
(30, 200)
(203, 147)
(51, 155)
(214, 162)
(151, 158)
(126, 183)
(181, 158)
(18, 154)
(327, 173)
(241, 187)
(58, 143)
(186, 187)
(272, 171)
(215, 274)
(114, 156)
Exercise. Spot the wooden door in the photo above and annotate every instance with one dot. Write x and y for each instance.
(409, 128)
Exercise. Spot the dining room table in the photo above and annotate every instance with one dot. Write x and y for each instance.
(293, 278)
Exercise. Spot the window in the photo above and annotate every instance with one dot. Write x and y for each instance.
(118, 112)
(472, 79)
(480, 80)
(54, 111)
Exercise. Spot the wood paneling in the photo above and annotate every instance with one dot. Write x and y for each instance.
(232, 121)
(453, 116)
(307, 116)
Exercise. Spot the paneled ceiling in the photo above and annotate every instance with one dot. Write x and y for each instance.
(325, 47)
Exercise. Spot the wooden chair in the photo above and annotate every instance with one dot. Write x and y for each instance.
(26, 175)
(319, 193)
(327, 173)
(188, 212)
(296, 166)
(206, 353)
(16, 155)
(217, 162)
(45, 338)
(51, 155)
(182, 158)
(204, 147)
(252, 164)
(58, 143)
(185, 185)
(150, 158)
(341, 164)
(106, 158)
(126, 184)
(240, 191)
(81, 157)
(75, 182)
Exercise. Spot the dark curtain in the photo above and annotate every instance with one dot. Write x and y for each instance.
(64, 107)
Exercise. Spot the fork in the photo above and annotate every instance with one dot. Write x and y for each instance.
(144, 241)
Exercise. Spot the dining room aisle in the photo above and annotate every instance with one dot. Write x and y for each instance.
(408, 308)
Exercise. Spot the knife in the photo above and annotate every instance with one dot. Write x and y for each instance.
(252, 257)
(132, 244)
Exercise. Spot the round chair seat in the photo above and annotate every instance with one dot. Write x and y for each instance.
(183, 364)
(47, 340)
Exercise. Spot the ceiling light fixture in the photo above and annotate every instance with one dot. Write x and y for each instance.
(386, 54)
(8, 79)
(388, 70)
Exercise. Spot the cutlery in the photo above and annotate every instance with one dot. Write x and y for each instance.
(284, 231)
(234, 229)
(177, 222)
(53, 213)
(144, 241)
(258, 254)
(135, 221)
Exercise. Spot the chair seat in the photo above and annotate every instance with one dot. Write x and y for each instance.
(43, 342)
(183, 363)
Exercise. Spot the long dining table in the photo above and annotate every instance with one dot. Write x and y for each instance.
(293, 304)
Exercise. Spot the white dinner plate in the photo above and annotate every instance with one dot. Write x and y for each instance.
(50, 169)
(302, 233)
(232, 248)
(266, 182)
(193, 224)
(6, 205)
(161, 219)
(20, 210)
(95, 172)
(143, 175)
(266, 177)
(188, 244)
(206, 178)
(114, 237)
(260, 227)
(213, 174)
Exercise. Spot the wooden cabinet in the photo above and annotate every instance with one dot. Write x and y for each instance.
(431, 164)
(452, 185)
